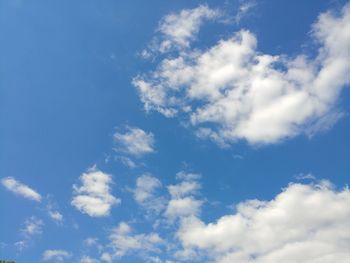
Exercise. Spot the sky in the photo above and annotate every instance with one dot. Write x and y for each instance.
(175, 131)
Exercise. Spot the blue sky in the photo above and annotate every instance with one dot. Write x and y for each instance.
(141, 131)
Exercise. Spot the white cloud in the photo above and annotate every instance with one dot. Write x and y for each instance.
(87, 259)
(231, 91)
(94, 196)
(20, 189)
(52, 211)
(91, 242)
(145, 194)
(183, 188)
(123, 241)
(135, 141)
(106, 257)
(32, 227)
(127, 162)
(178, 30)
(55, 215)
(56, 255)
(183, 202)
(182, 207)
(303, 176)
(304, 223)
(244, 8)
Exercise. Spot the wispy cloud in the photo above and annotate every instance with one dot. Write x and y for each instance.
(56, 255)
(183, 201)
(21, 189)
(32, 227)
(55, 215)
(134, 141)
(245, 7)
(127, 162)
(87, 259)
(52, 210)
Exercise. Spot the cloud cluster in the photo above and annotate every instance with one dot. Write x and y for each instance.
(231, 91)
(304, 223)
(182, 201)
(94, 196)
(134, 141)
(18, 188)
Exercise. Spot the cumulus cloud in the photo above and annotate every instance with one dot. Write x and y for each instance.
(123, 241)
(18, 188)
(56, 255)
(135, 141)
(145, 194)
(231, 91)
(183, 202)
(94, 196)
(304, 223)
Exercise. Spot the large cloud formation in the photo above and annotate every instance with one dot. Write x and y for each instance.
(303, 224)
(231, 91)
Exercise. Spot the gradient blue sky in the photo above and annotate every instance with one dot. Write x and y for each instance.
(66, 71)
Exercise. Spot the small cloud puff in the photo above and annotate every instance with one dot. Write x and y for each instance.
(94, 196)
(134, 141)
